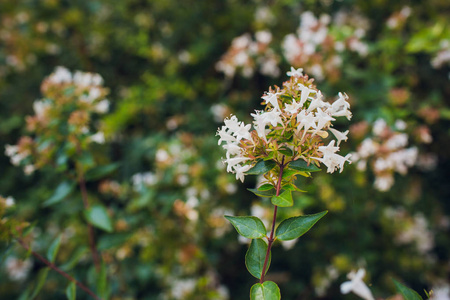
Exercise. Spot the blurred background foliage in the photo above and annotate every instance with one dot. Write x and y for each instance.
(167, 191)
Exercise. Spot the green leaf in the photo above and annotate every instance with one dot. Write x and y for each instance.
(53, 249)
(262, 167)
(287, 173)
(266, 187)
(292, 187)
(286, 151)
(249, 227)
(100, 172)
(102, 283)
(259, 193)
(284, 199)
(295, 227)
(301, 165)
(74, 258)
(254, 259)
(42, 277)
(98, 216)
(406, 292)
(62, 191)
(268, 290)
(71, 291)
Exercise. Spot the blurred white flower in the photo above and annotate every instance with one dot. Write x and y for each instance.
(357, 285)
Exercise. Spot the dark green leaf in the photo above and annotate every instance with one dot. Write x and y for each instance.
(266, 187)
(295, 227)
(102, 171)
(283, 200)
(112, 240)
(268, 290)
(301, 165)
(259, 193)
(74, 258)
(98, 216)
(71, 291)
(53, 249)
(249, 227)
(262, 167)
(286, 151)
(62, 191)
(406, 292)
(254, 259)
(42, 277)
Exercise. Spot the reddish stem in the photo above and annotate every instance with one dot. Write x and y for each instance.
(53, 267)
(271, 239)
(84, 196)
(91, 235)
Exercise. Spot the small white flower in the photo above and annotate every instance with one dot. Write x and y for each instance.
(29, 169)
(272, 98)
(341, 136)
(102, 106)
(295, 72)
(98, 138)
(357, 285)
(9, 201)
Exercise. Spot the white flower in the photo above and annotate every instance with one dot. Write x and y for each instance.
(306, 121)
(384, 183)
(441, 292)
(102, 106)
(272, 98)
(61, 75)
(9, 201)
(29, 169)
(357, 285)
(11, 150)
(98, 138)
(40, 107)
(379, 126)
(305, 91)
(240, 171)
(331, 159)
(261, 119)
(295, 72)
(341, 136)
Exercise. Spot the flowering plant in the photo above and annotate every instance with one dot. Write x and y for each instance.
(288, 140)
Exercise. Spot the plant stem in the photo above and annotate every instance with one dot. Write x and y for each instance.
(84, 196)
(271, 239)
(53, 267)
(92, 246)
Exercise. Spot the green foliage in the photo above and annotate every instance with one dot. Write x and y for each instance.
(406, 292)
(303, 166)
(53, 249)
(262, 167)
(249, 227)
(268, 290)
(98, 216)
(295, 227)
(63, 190)
(254, 259)
(71, 291)
(284, 199)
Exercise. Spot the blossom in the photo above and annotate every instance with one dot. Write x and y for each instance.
(295, 117)
(357, 285)
(295, 72)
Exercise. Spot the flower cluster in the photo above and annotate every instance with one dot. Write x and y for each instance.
(388, 153)
(62, 119)
(293, 126)
(315, 47)
(245, 54)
